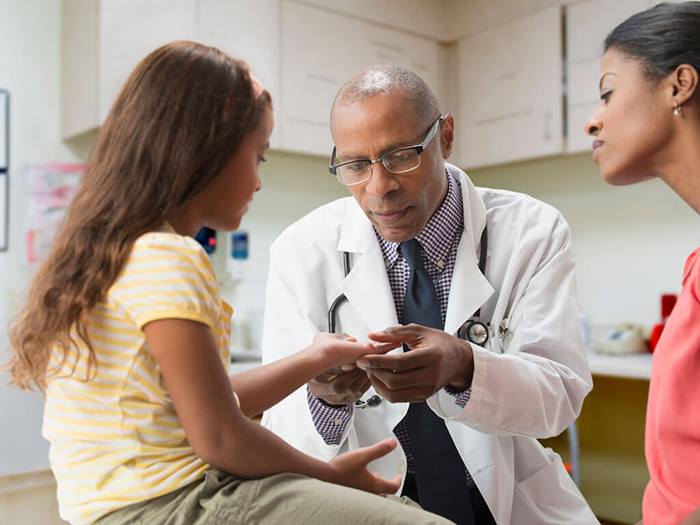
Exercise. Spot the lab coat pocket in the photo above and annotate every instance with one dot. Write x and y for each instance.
(550, 496)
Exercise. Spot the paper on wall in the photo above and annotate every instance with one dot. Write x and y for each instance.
(51, 190)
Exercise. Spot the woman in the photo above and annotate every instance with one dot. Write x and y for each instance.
(647, 125)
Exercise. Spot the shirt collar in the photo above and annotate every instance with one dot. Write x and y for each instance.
(441, 230)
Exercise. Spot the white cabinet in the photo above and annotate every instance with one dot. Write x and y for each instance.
(510, 91)
(504, 83)
(322, 49)
(421, 17)
(587, 25)
(103, 40)
(249, 31)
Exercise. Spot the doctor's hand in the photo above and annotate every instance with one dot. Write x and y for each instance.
(350, 469)
(436, 359)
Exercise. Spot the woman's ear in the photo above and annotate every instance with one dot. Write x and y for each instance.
(447, 136)
(684, 81)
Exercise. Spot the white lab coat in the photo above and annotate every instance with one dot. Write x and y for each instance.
(529, 383)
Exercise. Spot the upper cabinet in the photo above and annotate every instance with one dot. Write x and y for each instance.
(510, 91)
(249, 31)
(321, 49)
(102, 41)
(421, 17)
(498, 66)
(587, 25)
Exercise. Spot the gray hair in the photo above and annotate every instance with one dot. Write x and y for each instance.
(389, 79)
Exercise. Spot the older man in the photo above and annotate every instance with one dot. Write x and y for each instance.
(475, 285)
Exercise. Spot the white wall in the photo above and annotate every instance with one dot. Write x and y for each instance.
(630, 242)
(29, 65)
(292, 185)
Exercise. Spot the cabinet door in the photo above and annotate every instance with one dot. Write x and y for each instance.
(587, 25)
(510, 91)
(249, 31)
(423, 17)
(130, 30)
(320, 51)
(420, 55)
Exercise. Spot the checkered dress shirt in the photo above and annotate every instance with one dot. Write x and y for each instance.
(439, 240)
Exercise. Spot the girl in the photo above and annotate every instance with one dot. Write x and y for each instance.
(648, 125)
(128, 335)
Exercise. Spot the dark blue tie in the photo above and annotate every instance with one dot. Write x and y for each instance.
(440, 473)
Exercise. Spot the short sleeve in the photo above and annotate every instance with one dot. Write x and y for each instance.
(167, 276)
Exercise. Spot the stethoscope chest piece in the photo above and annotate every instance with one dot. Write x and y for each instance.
(475, 331)
(371, 402)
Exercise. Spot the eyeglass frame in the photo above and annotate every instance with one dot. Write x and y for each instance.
(420, 148)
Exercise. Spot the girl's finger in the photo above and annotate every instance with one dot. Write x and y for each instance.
(378, 450)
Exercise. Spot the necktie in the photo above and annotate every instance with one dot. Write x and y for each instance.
(440, 473)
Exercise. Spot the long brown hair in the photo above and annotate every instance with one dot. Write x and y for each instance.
(181, 115)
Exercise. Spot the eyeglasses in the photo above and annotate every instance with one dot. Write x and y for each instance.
(399, 160)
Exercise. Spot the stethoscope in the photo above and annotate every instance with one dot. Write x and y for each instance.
(475, 329)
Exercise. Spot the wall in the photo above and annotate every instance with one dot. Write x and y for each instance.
(630, 242)
(29, 66)
(292, 185)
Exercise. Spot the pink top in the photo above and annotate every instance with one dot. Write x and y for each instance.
(673, 414)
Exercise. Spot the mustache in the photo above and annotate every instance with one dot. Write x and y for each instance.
(386, 206)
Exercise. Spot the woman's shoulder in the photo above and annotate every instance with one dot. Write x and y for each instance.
(691, 272)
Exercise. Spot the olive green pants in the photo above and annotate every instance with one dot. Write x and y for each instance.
(283, 499)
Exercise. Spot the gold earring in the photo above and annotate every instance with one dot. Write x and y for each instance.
(677, 109)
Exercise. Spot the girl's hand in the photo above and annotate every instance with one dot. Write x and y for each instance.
(350, 469)
(341, 350)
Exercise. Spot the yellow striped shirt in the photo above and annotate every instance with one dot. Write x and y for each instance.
(116, 439)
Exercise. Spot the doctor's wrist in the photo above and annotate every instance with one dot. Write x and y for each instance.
(461, 379)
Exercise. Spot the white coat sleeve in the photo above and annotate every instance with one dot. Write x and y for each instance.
(286, 330)
(536, 387)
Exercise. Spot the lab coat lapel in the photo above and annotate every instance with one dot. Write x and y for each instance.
(367, 285)
(469, 289)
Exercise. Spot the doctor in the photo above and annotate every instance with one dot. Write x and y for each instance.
(405, 250)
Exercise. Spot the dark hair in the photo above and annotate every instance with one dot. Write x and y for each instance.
(661, 38)
(178, 120)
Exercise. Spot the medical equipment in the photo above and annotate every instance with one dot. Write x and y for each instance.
(621, 339)
(474, 330)
(207, 238)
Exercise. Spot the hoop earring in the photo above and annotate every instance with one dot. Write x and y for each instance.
(677, 110)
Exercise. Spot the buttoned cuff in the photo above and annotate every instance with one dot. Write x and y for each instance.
(330, 421)
(460, 396)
